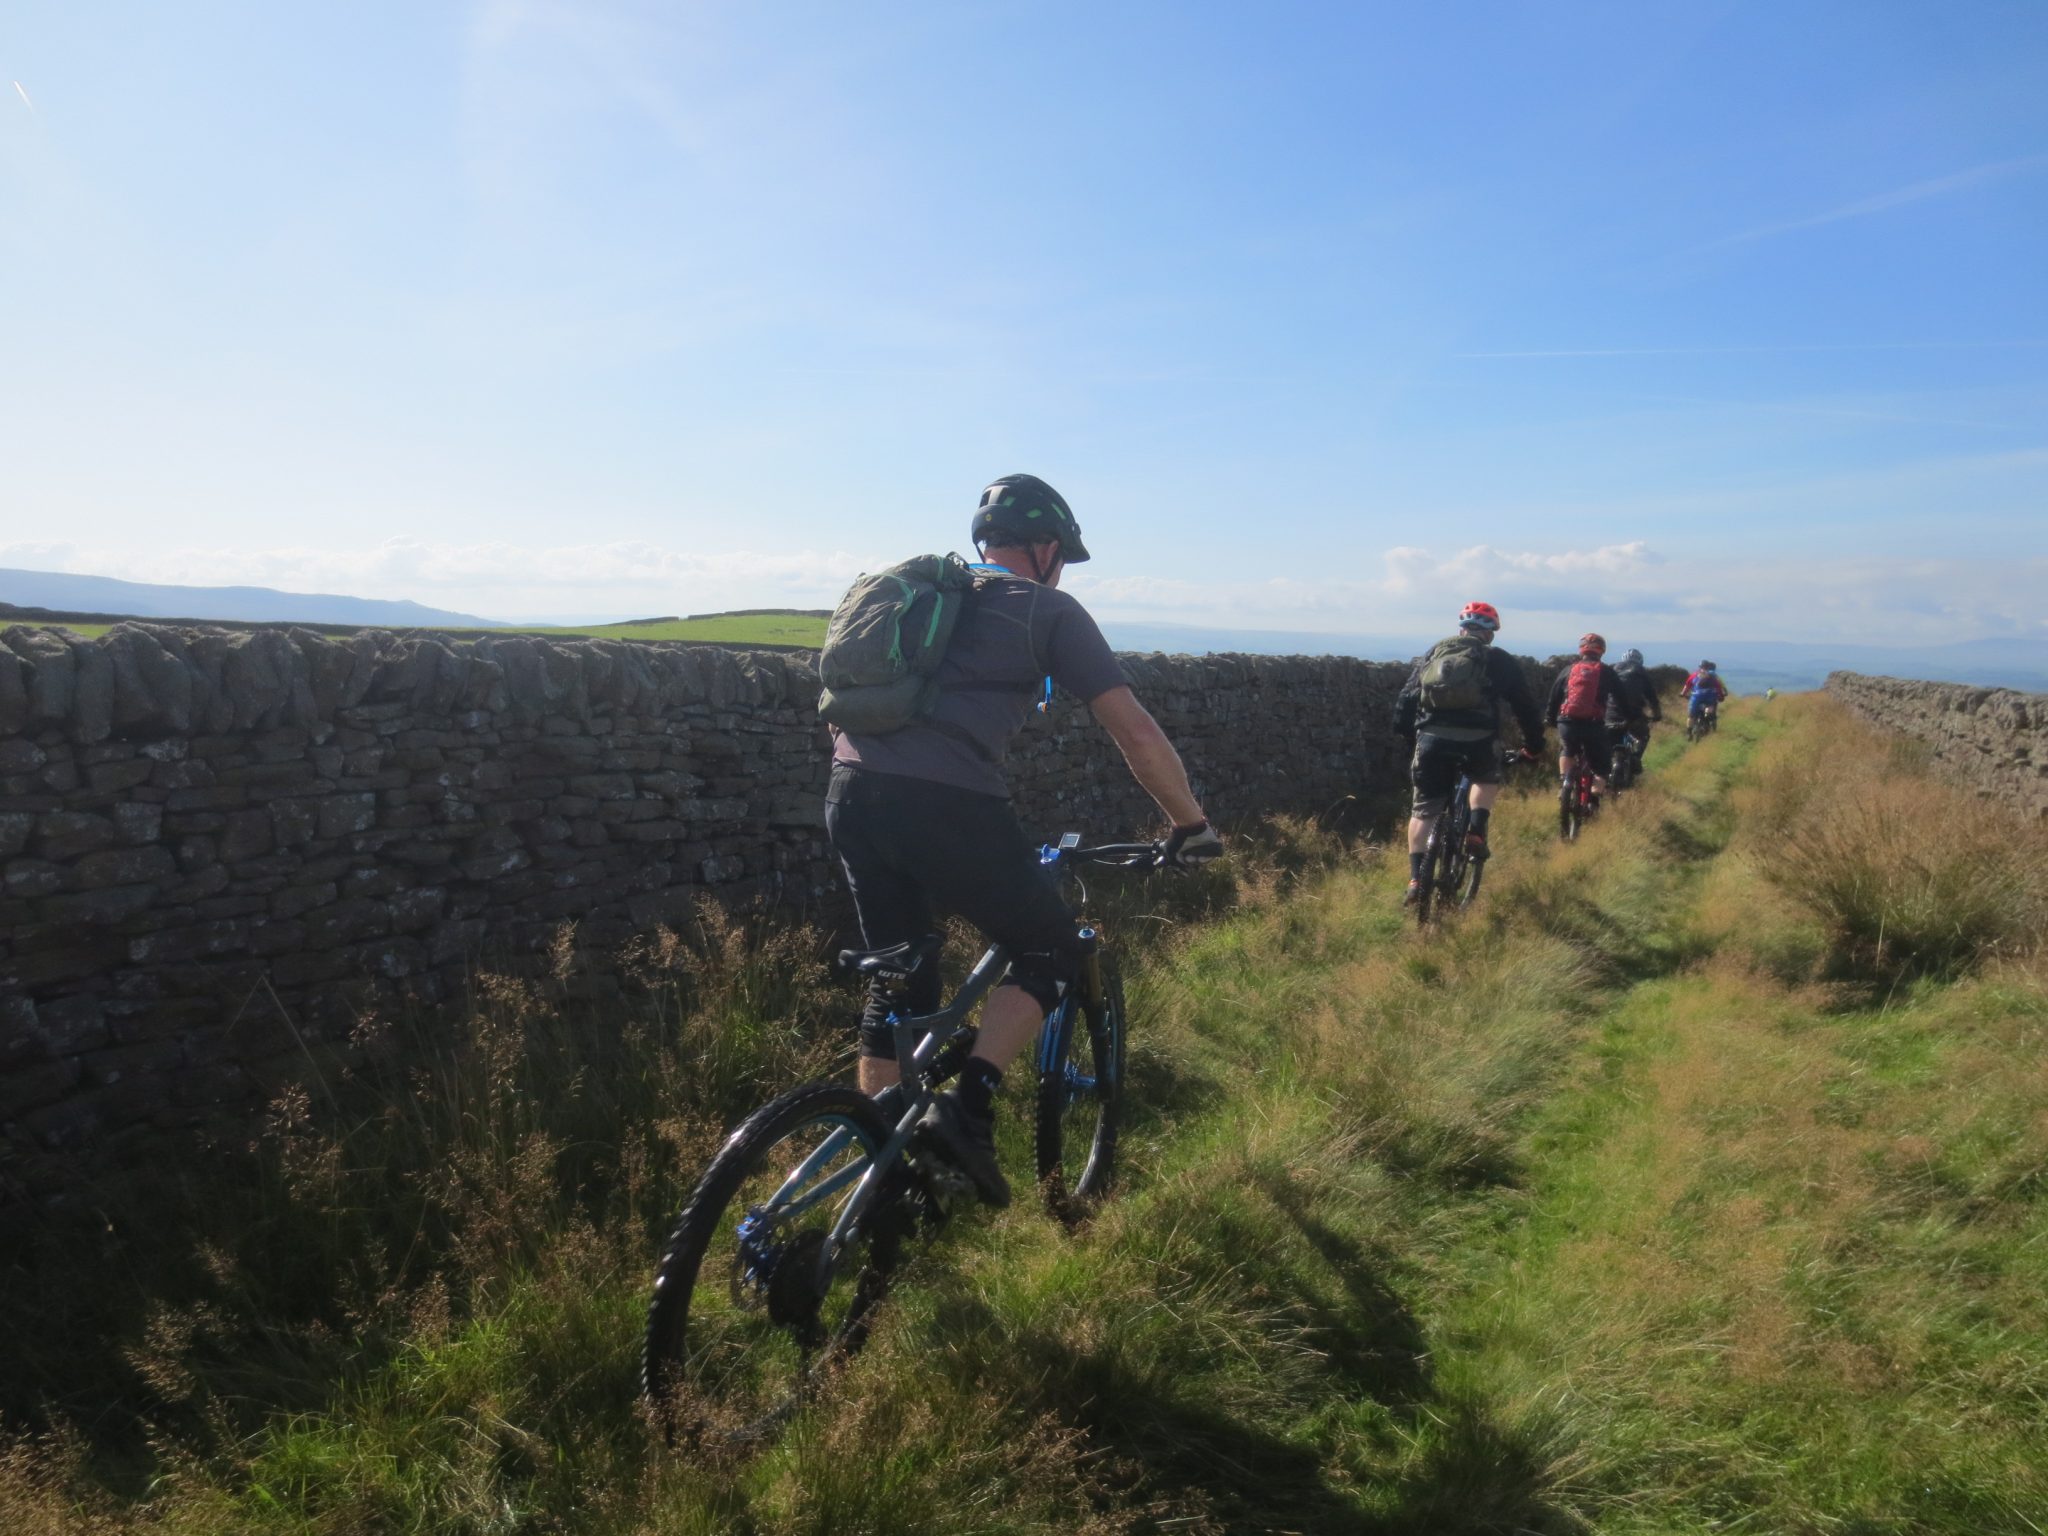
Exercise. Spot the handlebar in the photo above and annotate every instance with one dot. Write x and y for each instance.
(1114, 855)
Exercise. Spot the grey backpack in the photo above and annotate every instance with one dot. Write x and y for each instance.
(886, 640)
(1454, 675)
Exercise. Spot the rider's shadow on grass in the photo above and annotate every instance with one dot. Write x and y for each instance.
(1376, 1340)
(1474, 1476)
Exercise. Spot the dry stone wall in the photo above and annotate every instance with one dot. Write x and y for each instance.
(1992, 740)
(218, 850)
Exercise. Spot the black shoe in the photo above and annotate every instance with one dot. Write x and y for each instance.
(969, 1143)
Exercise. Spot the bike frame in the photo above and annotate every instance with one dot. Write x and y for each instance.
(920, 1040)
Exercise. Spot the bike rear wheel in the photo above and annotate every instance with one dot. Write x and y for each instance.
(1433, 858)
(1466, 888)
(1080, 1098)
(748, 1312)
(1623, 774)
(1569, 816)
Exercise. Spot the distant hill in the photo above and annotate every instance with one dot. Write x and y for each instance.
(147, 600)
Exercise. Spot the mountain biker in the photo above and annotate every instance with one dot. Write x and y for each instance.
(1580, 700)
(1450, 709)
(1704, 691)
(922, 814)
(1632, 709)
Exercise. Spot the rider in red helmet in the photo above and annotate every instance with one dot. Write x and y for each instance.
(1450, 707)
(1579, 699)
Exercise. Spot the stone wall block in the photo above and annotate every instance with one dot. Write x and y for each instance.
(340, 815)
(153, 684)
(92, 700)
(15, 827)
(15, 676)
(65, 835)
(50, 670)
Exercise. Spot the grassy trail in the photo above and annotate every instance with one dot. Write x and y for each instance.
(1626, 1203)
(1754, 1281)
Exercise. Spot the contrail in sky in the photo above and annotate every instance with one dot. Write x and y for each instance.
(1898, 197)
(24, 95)
(1844, 346)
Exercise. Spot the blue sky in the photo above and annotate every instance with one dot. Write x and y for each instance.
(1691, 320)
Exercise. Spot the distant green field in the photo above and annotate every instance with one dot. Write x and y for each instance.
(89, 631)
(725, 628)
(805, 629)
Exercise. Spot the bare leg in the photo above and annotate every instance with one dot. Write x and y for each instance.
(1010, 1020)
(877, 1074)
(1418, 832)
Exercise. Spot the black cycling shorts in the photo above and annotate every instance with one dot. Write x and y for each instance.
(1439, 764)
(1584, 738)
(909, 843)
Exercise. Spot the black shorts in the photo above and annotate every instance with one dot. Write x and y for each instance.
(909, 843)
(1584, 738)
(1439, 764)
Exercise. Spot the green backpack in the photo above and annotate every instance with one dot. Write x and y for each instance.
(886, 640)
(1454, 675)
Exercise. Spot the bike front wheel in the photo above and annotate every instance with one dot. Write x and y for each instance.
(1080, 1098)
(751, 1307)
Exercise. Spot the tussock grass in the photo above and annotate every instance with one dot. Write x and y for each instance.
(1908, 876)
(1588, 1211)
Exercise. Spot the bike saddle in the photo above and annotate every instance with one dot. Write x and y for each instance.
(900, 961)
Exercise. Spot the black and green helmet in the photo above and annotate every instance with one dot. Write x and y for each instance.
(1025, 507)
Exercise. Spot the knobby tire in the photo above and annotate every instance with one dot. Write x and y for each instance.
(718, 1365)
(1080, 1101)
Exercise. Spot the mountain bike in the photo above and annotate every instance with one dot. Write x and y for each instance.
(1700, 724)
(1577, 802)
(1627, 768)
(771, 1273)
(1451, 871)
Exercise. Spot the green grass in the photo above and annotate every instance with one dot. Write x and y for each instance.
(83, 631)
(798, 629)
(1608, 1208)
(802, 629)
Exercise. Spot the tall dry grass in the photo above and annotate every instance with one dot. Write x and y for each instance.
(1909, 875)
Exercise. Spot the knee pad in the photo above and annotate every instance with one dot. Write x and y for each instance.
(1043, 975)
(877, 1039)
(877, 1035)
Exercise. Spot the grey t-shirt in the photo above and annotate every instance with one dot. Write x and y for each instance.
(1012, 635)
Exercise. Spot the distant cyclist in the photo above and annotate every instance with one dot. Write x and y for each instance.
(1632, 709)
(1704, 692)
(1450, 709)
(1580, 700)
(921, 814)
